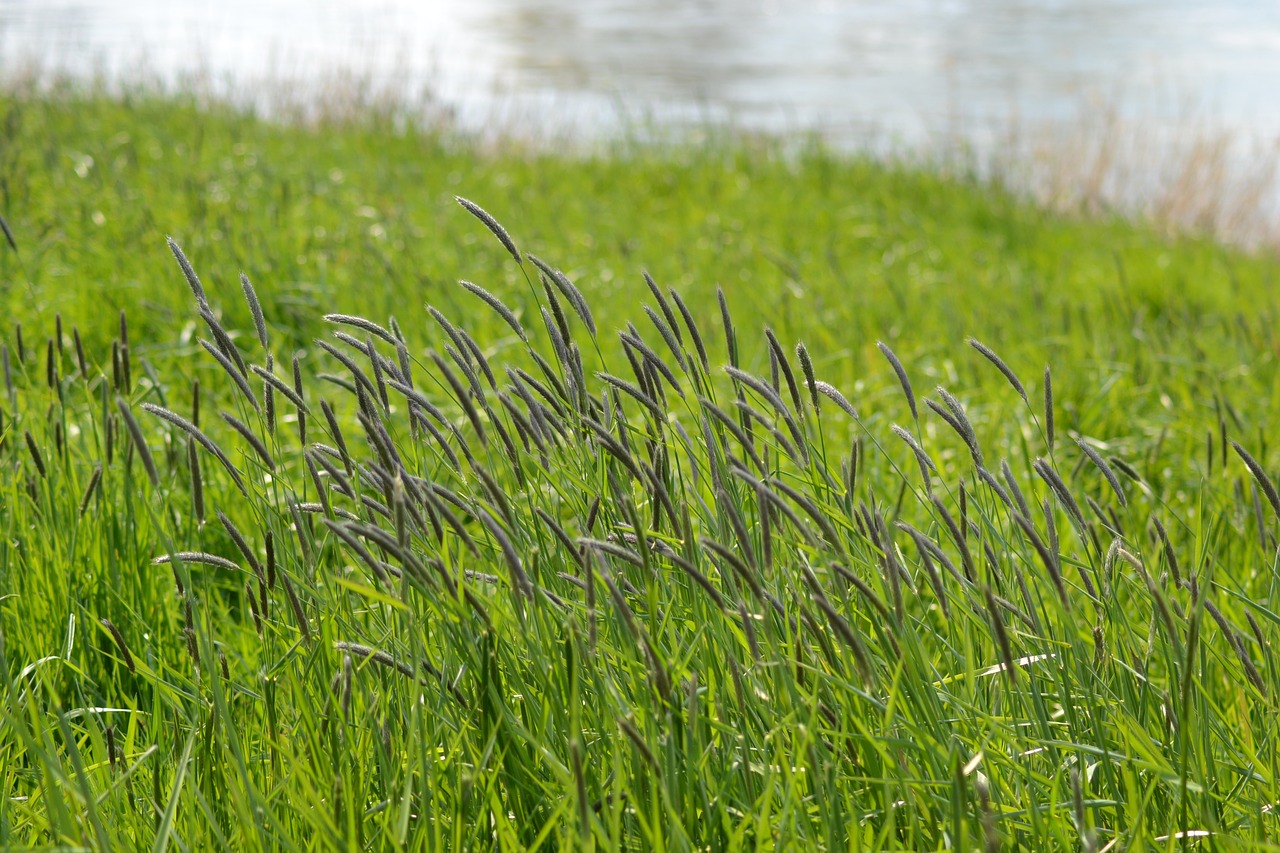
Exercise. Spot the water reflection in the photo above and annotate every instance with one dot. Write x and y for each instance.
(990, 73)
(909, 67)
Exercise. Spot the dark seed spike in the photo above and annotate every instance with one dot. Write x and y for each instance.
(1048, 408)
(231, 371)
(295, 604)
(785, 365)
(8, 234)
(806, 367)
(1259, 474)
(94, 479)
(692, 327)
(832, 393)
(79, 347)
(375, 362)
(277, 384)
(242, 545)
(192, 430)
(1059, 488)
(492, 224)
(297, 387)
(271, 560)
(990, 356)
(903, 380)
(120, 644)
(200, 557)
(1002, 638)
(461, 396)
(961, 420)
(197, 480)
(570, 292)
(669, 336)
(336, 434)
(8, 374)
(255, 308)
(135, 432)
(362, 324)
(35, 453)
(1105, 469)
(249, 436)
(922, 458)
(1170, 557)
(508, 316)
(192, 279)
(730, 337)
(268, 394)
(557, 310)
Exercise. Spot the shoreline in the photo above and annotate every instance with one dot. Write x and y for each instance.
(1215, 182)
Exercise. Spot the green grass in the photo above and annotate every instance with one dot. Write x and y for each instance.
(672, 607)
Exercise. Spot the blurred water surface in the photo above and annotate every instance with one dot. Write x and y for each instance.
(986, 74)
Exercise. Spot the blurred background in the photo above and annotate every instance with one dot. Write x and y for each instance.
(1168, 108)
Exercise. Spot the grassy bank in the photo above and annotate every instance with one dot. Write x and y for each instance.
(513, 573)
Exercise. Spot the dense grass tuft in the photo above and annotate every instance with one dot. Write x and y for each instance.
(484, 574)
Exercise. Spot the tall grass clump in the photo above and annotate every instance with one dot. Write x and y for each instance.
(718, 508)
(511, 581)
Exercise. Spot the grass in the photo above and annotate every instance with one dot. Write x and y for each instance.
(517, 574)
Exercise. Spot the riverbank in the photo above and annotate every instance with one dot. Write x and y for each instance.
(564, 580)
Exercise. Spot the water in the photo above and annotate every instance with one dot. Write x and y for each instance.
(1111, 78)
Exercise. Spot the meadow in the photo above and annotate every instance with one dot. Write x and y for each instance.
(368, 486)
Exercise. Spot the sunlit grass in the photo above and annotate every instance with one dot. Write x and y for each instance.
(517, 573)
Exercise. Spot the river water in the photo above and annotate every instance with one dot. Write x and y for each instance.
(1113, 98)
